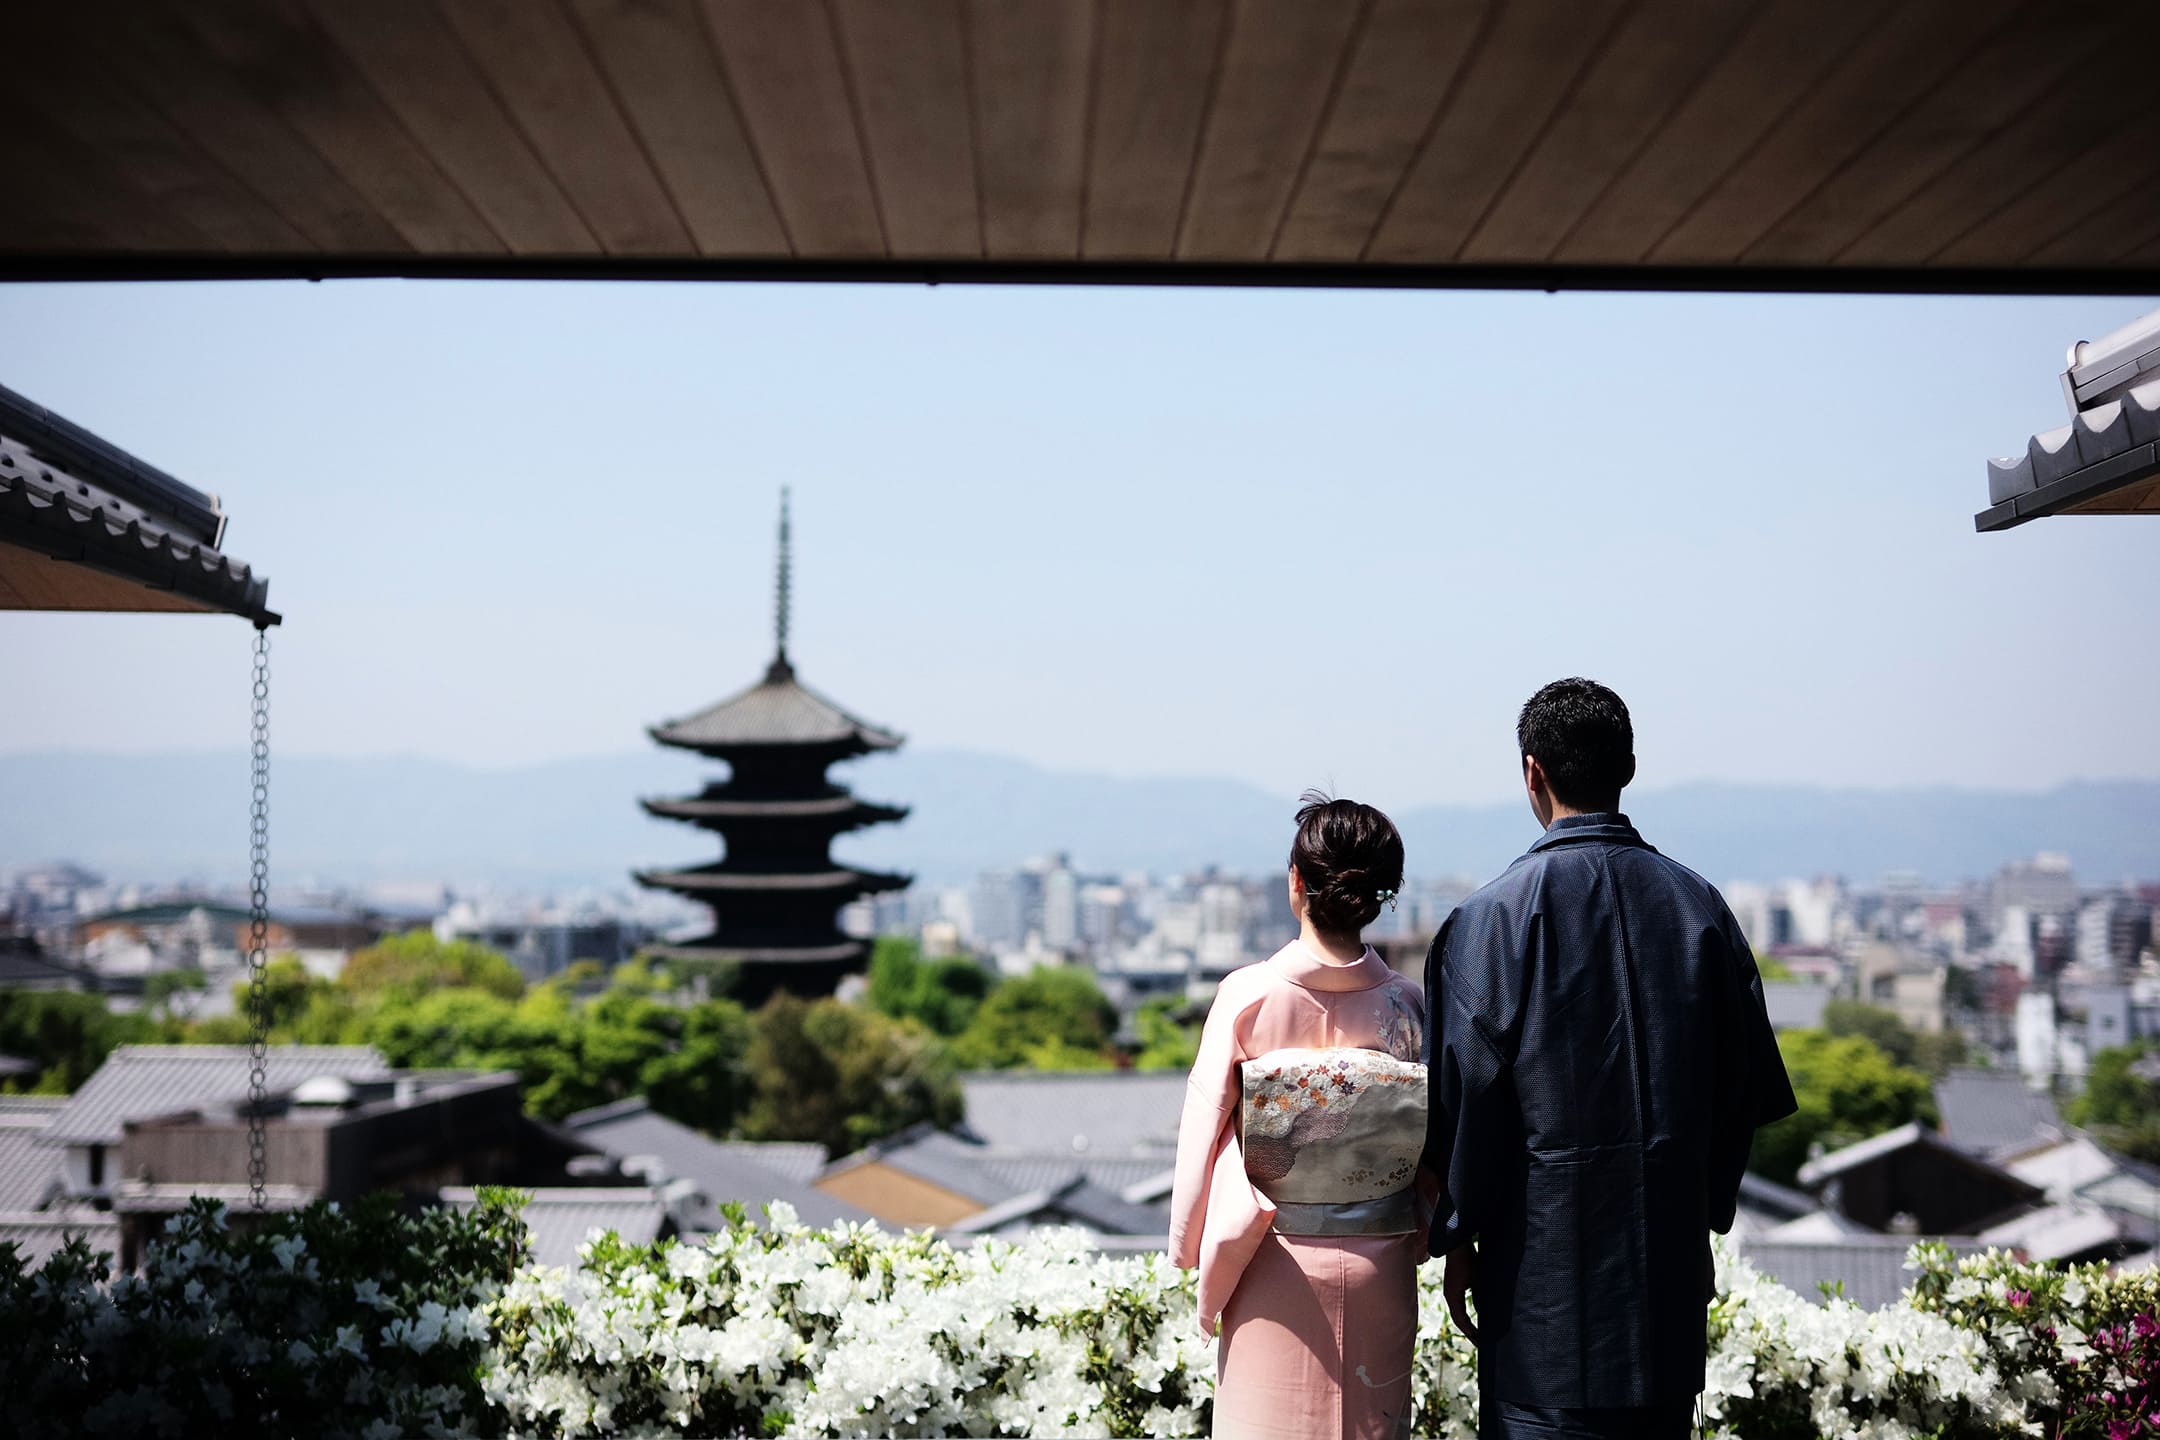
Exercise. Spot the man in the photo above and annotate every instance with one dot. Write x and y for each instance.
(1599, 1060)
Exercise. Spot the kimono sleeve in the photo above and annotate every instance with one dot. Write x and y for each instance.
(1211, 1100)
(1751, 1087)
(1468, 1116)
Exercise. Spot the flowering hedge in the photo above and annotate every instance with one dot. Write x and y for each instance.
(373, 1324)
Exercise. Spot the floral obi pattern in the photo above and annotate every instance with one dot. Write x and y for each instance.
(1337, 1127)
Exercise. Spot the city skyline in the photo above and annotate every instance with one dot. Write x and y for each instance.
(1329, 538)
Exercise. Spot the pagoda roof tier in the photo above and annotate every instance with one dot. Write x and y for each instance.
(777, 711)
(838, 880)
(716, 949)
(824, 807)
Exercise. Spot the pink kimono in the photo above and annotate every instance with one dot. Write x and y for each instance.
(1316, 1330)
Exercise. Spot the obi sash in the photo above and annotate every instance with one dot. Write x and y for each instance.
(1333, 1137)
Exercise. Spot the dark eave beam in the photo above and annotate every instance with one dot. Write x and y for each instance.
(1735, 279)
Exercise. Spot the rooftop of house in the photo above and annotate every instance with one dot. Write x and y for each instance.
(1117, 1194)
(560, 1220)
(38, 1235)
(30, 1173)
(1868, 1270)
(1996, 1113)
(138, 1082)
(1089, 1112)
(748, 1172)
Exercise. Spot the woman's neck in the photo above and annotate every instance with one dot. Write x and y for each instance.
(1342, 949)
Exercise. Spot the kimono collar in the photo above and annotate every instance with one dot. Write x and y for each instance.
(1610, 827)
(1300, 966)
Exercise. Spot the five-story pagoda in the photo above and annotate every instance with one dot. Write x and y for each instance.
(776, 891)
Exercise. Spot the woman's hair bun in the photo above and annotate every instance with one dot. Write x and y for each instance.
(1350, 858)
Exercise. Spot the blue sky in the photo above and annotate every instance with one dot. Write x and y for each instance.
(1291, 537)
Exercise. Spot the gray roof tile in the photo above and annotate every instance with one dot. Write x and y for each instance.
(1094, 1113)
(743, 1171)
(140, 1081)
(38, 1235)
(1872, 1268)
(1994, 1113)
(562, 1219)
(29, 1172)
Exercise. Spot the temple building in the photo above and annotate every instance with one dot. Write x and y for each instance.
(776, 890)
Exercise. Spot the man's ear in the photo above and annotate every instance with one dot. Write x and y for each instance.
(1533, 774)
(1630, 773)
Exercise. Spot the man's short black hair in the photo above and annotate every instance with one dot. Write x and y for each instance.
(1580, 733)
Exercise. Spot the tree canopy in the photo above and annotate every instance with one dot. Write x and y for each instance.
(1848, 1089)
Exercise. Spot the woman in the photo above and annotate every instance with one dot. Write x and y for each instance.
(1296, 1185)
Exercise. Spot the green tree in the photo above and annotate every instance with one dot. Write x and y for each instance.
(944, 994)
(2119, 1105)
(1167, 1040)
(1847, 1090)
(1055, 1017)
(1872, 1023)
(842, 1075)
(67, 1034)
(174, 994)
(1771, 968)
(416, 961)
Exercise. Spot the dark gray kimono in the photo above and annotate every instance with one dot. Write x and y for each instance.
(1600, 1060)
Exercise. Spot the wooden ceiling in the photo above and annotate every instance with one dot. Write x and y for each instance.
(1842, 144)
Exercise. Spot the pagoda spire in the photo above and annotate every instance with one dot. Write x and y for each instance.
(781, 593)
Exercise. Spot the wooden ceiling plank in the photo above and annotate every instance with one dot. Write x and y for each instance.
(176, 178)
(425, 75)
(1031, 61)
(2116, 221)
(1661, 52)
(62, 194)
(1989, 88)
(1155, 64)
(783, 60)
(1912, 48)
(277, 54)
(2005, 198)
(158, 55)
(661, 62)
(1785, 52)
(2060, 205)
(537, 63)
(1279, 70)
(908, 63)
(1405, 62)
(1510, 90)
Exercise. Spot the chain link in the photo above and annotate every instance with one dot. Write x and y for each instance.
(259, 922)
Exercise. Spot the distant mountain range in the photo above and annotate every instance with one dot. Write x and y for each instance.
(576, 821)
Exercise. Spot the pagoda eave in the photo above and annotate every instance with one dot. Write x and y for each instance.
(749, 882)
(841, 954)
(844, 808)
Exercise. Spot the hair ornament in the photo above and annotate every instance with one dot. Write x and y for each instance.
(1386, 897)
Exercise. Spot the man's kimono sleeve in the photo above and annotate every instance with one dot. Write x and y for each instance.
(1751, 1088)
(1467, 1119)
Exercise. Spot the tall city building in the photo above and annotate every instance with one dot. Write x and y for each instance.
(775, 892)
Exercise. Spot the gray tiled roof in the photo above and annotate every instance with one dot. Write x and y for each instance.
(1871, 1267)
(1040, 1170)
(37, 1235)
(1094, 1113)
(945, 1160)
(29, 1172)
(66, 512)
(778, 710)
(1995, 1113)
(722, 1170)
(139, 1081)
(562, 1219)
(2107, 446)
